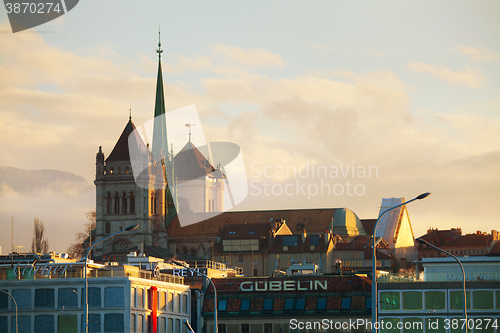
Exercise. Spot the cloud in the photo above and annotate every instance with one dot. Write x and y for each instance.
(256, 57)
(470, 77)
(478, 54)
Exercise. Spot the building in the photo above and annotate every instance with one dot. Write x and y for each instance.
(50, 297)
(288, 304)
(436, 300)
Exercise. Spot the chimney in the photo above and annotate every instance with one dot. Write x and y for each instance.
(304, 236)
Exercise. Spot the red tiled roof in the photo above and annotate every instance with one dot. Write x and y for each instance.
(314, 221)
(242, 231)
(496, 248)
(470, 240)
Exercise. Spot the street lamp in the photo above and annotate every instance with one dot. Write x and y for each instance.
(17, 325)
(423, 241)
(209, 280)
(186, 322)
(86, 305)
(374, 259)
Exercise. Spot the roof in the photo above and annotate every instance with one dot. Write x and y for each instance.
(121, 150)
(470, 240)
(368, 225)
(242, 231)
(191, 164)
(314, 221)
(301, 247)
(438, 237)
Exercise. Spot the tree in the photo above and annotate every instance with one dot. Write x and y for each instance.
(77, 249)
(39, 244)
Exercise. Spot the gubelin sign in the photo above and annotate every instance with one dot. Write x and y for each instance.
(287, 285)
(25, 267)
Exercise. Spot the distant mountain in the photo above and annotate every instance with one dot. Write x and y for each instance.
(36, 181)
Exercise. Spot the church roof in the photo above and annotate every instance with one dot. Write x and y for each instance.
(120, 152)
(191, 164)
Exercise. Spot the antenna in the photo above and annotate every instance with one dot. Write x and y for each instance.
(189, 125)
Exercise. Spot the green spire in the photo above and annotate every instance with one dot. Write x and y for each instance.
(160, 142)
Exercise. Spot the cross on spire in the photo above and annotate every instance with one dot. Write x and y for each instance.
(189, 125)
(159, 51)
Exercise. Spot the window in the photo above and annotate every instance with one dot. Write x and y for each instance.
(133, 297)
(255, 258)
(240, 258)
(221, 328)
(255, 272)
(67, 298)
(44, 323)
(435, 325)
(230, 245)
(393, 325)
(314, 240)
(119, 170)
(245, 305)
(498, 299)
(435, 300)
(301, 303)
(413, 325)
(114, 322)
(289, 304)
(23, 323)
(412, 300)
(268, 304)
(127, 170)
(3, 322)
(67, 323)
(163, 305)
(140, 323)
(268, 328)
(117, 203)
(224, 258)
(108, 203)
(108, 228)
(124, 203)
(111, 171)
(94, 297)
(170, 302)
(22, 297)
(222, 305)
(44, 298)
(245, 328)
(132, 202)
(368, 303)
(321, 304)
(4, 300)
(457, 300)
(290, 240)
(389, 301)
(483, 300)
(184, 303)
(177, 303)
(346, 303)
(170, 325)
(114, 297)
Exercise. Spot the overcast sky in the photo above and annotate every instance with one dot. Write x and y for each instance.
(408, 90)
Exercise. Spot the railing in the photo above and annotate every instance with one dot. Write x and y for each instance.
(396, 278)
(215, 265)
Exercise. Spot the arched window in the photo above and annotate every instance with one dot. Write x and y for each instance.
(119, 170)
(108, 228)
(184, 250)
(193, 253)
(153, 203)
(124, 203)
(132, 202)
(127, 170)
(117, 203)
(108, 203)
(111, 171)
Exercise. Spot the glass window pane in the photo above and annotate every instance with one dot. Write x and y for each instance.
(245, 304)
(140, 323)
(184, 304)
(301, 303)
(457, 300)
(3, 322)
(483, 300)
(113, 322)
(484, 325)
(435, 325)
(389, 301)
(268, 304)
(44, 298)
(163, 303)
(67, 324)
(435, 300)
(67, 297)
(4, 300)
(498, 299)
(289, 304)
(94, 297)
(23, 298)
(222, 305)
(24, 324)
(411, 325)
(44, 323)
(321, 304)
(114, 297)
(390, 325)
(170, 301)
(94, 323)
(346, 303)
(412, 300)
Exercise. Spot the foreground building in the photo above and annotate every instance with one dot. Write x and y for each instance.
(50, 298)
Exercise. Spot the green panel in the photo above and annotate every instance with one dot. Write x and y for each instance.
(435, 300)
(456, 325)
(498, 299)
(412, 300)
(483, 300)
(413, 325)
(435, 325)
(67, 324)
(456, 300)
(389, 301)
(389, 325)
(484, 325)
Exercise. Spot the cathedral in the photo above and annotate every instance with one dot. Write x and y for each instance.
(185, 183)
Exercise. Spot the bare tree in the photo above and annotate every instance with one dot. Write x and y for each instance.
(39, 244)
(77, 249)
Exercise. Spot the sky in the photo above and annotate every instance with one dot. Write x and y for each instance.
(333, 103)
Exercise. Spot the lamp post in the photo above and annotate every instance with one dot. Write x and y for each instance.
(423, 241)
(374, 260)
(215, 290)
(186, 322)
(15, 303)
(86, 305)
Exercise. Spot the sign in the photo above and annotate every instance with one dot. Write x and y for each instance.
(25, 267)
(189, 272)
(287, 285)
